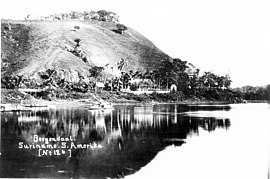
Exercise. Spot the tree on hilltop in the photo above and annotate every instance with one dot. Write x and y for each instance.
(121, 28)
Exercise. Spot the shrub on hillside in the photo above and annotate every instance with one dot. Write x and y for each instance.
(121, 28)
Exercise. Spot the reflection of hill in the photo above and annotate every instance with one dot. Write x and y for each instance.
(130, 136)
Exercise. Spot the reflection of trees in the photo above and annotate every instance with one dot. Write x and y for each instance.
(210, 124)
(130, 136)
(9, 122)
(168, 117)
(126, 122)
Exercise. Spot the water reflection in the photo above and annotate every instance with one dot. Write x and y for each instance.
(129, 137)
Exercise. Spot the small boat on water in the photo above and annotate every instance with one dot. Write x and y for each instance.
(13, 109)
(100, 106)
(35, 106)
(16, 110)
(21, 108)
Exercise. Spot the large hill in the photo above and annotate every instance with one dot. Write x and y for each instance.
(29, 47)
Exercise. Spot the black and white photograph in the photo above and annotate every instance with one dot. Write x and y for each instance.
(135, 89)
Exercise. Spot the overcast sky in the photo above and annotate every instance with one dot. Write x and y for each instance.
(225, 36)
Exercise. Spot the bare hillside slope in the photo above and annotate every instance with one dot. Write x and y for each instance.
(29, 47)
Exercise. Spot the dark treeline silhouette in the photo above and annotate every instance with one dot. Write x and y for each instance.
(254, 93)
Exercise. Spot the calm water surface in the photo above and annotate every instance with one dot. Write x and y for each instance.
(138, 141)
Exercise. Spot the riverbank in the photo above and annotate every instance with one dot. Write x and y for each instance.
(216, 97)
(15, 97)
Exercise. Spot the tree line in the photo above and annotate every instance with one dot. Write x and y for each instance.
(254, 93)
(190, 83)
(101, 15)
(170, 72)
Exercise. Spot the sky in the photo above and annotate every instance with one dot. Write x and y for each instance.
(223, 36)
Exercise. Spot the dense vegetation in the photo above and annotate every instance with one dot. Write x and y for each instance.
(190, 85)
(254, 93)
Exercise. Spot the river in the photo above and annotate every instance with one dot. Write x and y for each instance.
(137, 141)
